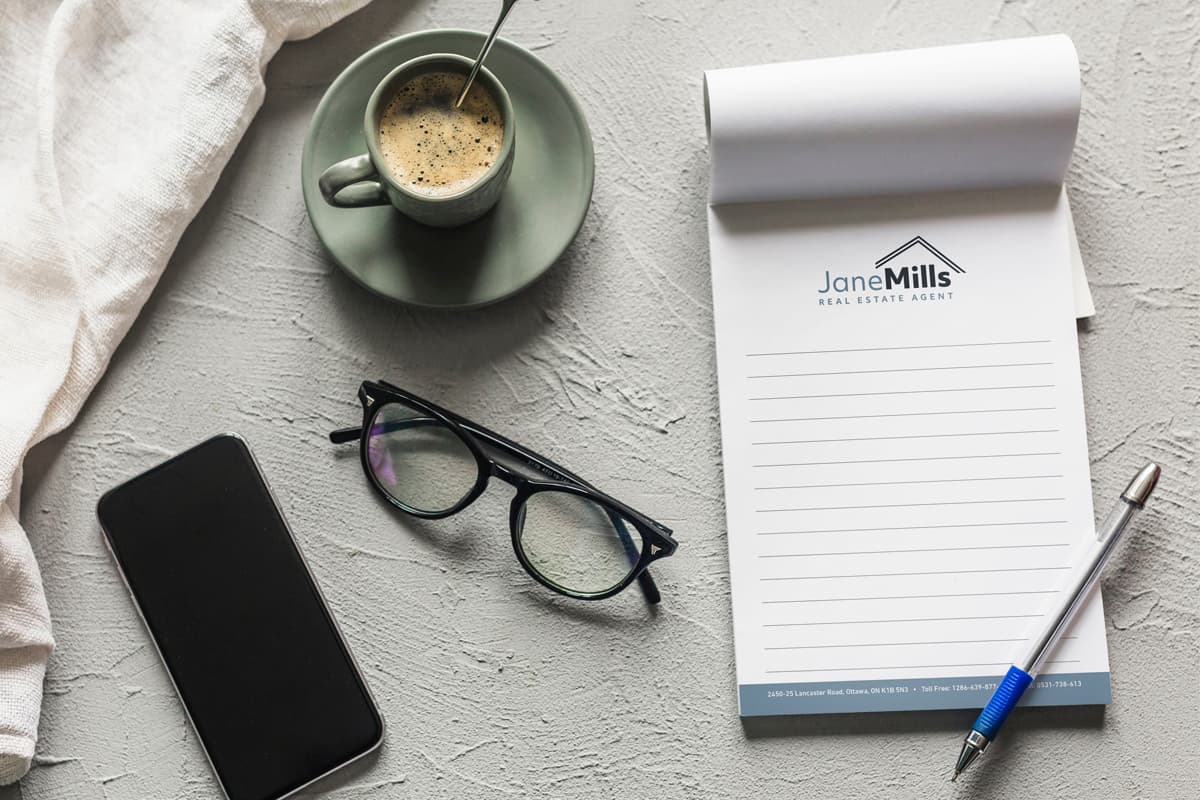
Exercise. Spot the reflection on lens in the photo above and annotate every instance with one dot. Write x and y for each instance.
(418, 460)
(578, 544)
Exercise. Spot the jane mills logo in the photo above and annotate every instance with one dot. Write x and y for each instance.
(916, 271)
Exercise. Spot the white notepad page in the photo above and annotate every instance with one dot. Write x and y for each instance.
(902, 421)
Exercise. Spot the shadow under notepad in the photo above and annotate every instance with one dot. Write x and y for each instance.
(902, 722)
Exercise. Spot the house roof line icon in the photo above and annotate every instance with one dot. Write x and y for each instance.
(921, 241)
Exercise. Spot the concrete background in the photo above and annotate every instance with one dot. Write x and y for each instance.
(491, 686)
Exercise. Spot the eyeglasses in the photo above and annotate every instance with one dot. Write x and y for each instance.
(567, 534)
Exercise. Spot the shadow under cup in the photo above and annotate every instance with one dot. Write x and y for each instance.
(365, 180)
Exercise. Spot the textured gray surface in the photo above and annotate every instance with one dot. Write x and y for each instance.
(493, 688)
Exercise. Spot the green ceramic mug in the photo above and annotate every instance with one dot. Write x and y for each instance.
(363, 180)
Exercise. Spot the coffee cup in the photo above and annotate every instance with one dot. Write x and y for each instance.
(439, 164)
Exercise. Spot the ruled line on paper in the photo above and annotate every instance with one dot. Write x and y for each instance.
(917, 550)
(903, 369)
(909, 436)
(899, 644)
(916, 527)
(898, 460)
(917, 666)
(881, 621)
(908, 597)
(906, 391)
(892, 644)
(913, 574)
(897, 347)
(908, 483)
(907, 414)
(913, 505)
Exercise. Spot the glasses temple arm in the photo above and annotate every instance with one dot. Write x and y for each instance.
(562, 473)
(343, 435)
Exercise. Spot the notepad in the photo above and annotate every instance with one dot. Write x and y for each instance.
(906, 470)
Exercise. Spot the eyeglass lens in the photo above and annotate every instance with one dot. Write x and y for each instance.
(418, 460)
(576, 543)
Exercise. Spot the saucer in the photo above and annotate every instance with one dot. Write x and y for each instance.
(537, 217)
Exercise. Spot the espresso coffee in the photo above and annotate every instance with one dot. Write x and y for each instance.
(432, 148)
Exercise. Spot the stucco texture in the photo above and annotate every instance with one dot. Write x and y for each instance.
(491, 686)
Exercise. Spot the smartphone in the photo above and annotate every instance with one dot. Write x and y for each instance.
(252, 649)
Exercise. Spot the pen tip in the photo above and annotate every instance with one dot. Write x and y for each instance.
(955, 776)
(1142, 485)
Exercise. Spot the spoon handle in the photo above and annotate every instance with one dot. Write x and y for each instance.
(506, 6)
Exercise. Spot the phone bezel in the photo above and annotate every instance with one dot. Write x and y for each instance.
(374, 705)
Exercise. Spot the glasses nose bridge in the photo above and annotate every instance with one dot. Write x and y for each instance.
(506, 474)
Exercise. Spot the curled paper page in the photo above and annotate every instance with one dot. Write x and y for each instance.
(989, 115)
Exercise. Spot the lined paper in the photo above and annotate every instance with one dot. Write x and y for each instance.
(906, 470)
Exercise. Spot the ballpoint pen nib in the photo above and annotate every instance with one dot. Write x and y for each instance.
(973, 745)
(954, 777)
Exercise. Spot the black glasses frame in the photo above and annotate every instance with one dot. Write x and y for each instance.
(656, 538)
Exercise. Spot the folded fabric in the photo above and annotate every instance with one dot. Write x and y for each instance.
(117, 117)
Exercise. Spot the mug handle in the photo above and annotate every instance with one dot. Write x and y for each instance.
(352, 183)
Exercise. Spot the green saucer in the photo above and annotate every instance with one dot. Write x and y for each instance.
(538, 215)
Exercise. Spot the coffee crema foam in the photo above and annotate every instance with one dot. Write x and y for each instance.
(432, 148)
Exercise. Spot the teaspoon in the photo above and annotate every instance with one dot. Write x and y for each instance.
(506, 6)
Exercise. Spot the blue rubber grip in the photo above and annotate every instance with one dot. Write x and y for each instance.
(1003, 701)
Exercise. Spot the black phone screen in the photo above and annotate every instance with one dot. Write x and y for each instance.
(251, 647)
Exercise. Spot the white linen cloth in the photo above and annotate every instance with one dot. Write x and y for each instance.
(116, 117)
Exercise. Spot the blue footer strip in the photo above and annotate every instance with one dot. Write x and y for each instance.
(916, 694)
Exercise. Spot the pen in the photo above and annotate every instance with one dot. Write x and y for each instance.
(1069, 601)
